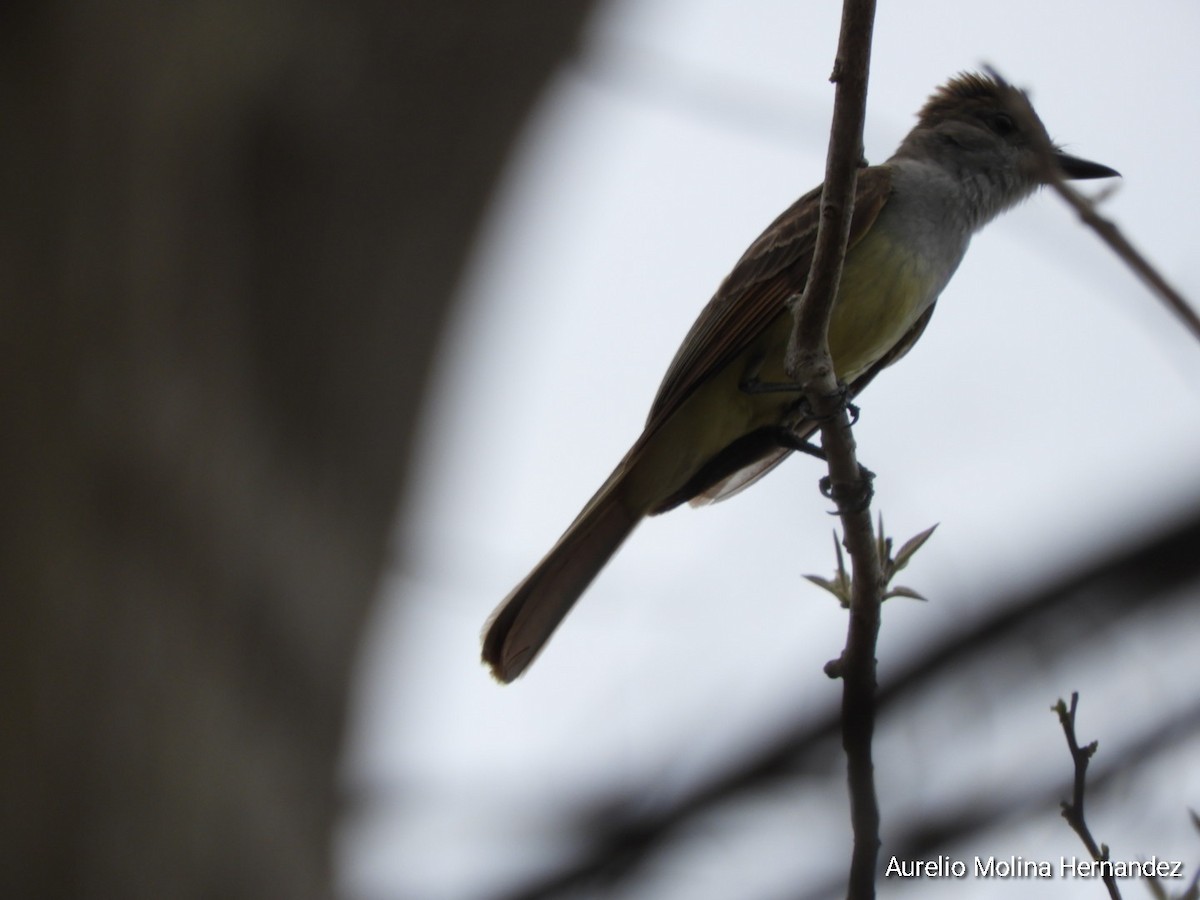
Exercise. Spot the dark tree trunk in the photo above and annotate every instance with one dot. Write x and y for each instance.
(228, 236)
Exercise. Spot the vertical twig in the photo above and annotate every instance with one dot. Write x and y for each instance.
(809, 364)
(1073, 811)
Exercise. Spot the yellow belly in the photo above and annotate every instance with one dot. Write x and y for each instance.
(883, 293)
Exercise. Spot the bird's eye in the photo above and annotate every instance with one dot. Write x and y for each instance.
(1002, 124)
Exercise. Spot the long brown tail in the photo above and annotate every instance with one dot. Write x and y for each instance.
(523, 623)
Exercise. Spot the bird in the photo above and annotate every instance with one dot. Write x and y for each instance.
(725, 414)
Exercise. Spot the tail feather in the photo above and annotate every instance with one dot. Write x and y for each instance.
(523, 623)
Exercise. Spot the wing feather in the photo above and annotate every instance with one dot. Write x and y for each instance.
(774, 268)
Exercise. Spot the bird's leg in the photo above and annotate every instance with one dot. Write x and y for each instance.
(792, 440)
(795, 436)
(857, 495)
(843, 403)
(750, 384)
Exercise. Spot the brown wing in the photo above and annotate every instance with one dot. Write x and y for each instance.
(773, 269)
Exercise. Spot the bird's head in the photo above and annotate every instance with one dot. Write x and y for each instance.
(980, 127)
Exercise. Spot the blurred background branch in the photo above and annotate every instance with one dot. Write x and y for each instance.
(1069, 617)
(1088, 210)
(230, 234)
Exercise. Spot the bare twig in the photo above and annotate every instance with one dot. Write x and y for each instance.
(809, 364)
(620, 837)
(1086, 208)
(1073, 811)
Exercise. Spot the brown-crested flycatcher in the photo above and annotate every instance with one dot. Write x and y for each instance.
(725, 415)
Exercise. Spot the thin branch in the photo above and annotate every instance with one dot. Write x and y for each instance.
(1073, 811)
(809, 364)
(1085, 207)
(620, 836)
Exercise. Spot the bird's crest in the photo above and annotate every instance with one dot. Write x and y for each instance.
(964, 92)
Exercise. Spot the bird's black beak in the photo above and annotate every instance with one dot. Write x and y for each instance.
(1075, 168)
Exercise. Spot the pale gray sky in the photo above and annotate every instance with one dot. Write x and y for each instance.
(1019, 423)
